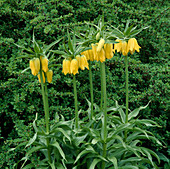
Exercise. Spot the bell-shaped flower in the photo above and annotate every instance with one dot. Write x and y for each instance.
(44, 63)
(35, 66)
(91, 56)
(49, 75)
(133, 45)
(94, 49)
(83, 63)
(66, 66)
(124, 49)
(101, 55)
(86, 54)
(108, 48)
(39, 78)
(74, 66)
(118, 46)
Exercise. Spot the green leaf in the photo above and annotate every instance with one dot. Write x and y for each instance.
(31, 140)
(113, 159)
(70, 45)
(63, 132)
(135, 112)
(59, 149)
(51, 45)
(26, 49)
(122, 114)
(34, 149)
(93, 164)
(58, 52)
(25, 69)
(28, 166)
(89, 149)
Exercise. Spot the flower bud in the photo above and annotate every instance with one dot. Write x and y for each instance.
(100, 45)
(98, 36)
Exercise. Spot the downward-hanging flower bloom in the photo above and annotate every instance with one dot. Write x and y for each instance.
(108, 48)
(49, 75)
(44, 63)
(86, 54)
(100, 45)
(74, 66)
(124, 49)
(39, 78)
(35, 66)
(66, 66)
(121, 47)
(91, 57)
(101, 55)
(94, 49)
(133, 45)
(83, 63)
(118, 46)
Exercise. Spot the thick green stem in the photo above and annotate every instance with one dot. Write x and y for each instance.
(104, 130)
(75, 101)
(101, 77)
(46, 110)
(127, 102)
(91, 89)
(126, 72)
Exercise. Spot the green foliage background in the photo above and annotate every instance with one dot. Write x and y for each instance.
(20, 93)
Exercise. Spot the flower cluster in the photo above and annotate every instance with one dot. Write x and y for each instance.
(124, 47)
(102, 50)
(36, 64)
(71, 66)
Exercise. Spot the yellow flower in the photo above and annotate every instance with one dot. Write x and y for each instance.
(91, 57)
(83, 63)
(94, 49)
(108, 47)
(118, 46)
(74, 66)
(40, 78)
(44, 63)
(101, 55)
(100, 45)
(121, 47)
(49, 75)
(124, 48)
(86, 54)
(78, 57)
(133, 45)
(66, 66)
(35, 66)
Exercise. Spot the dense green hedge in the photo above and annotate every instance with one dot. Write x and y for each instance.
(20, 93)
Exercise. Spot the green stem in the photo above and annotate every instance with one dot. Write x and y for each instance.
(46, 110)
(104, 131)
(91, 89)
(75, 100)
(126, 71)
(127, 102)
(101, 77)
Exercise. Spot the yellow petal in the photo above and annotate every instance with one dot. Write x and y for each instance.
(44, 63)
(100, 45)
(49, 75)
(74, 66)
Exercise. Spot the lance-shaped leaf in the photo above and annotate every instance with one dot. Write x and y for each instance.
(135, 112)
